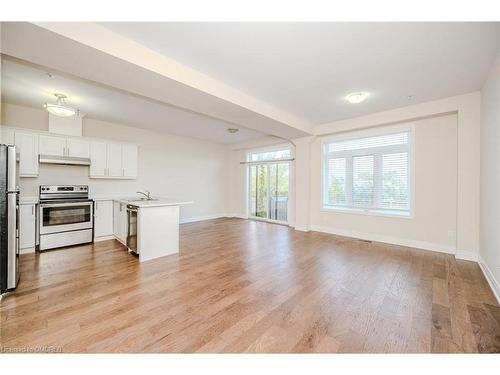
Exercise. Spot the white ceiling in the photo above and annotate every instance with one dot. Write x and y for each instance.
(28, 84)
(306, 69)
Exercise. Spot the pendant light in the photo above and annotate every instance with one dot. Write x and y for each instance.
(60, 108)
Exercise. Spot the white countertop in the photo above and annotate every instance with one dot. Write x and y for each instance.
(156, 202)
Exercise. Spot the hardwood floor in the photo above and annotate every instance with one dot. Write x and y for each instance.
(245, 286)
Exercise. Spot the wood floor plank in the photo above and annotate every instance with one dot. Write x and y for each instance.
(247, 286)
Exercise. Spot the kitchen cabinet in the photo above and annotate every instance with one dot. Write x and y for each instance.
(52, 145)
(114, 160)
(129, 160)
(27, 214)
(6, 135)
(28, 153)
(64, 146)
(120, 221)
(97, 159)
(103, 218)
(77, 148)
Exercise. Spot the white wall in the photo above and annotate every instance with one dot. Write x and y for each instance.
(433, 225)
(490, 177)
(467, 109)
(169, 165)
(447, 179)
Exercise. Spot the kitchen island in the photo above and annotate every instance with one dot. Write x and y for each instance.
(153, 226)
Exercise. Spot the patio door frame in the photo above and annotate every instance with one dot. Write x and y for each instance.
(268, 187)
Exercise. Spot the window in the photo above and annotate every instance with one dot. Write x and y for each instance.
(269, 183)
(269, 155)
(370, 174)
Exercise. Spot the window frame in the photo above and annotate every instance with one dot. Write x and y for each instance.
(373, 132)
(291, 184)
(272, 148)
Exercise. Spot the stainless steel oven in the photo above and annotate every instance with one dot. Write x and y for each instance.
(65, 216)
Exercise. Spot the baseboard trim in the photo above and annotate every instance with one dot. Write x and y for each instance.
(201, 218)
(386, 239)
(466, 255)
(29, 250)
(104, 238)
(305, 228)
(238, 216)
(494, 284)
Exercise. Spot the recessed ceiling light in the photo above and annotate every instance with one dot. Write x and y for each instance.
(60, 108)
(357, 97)
(232, 130)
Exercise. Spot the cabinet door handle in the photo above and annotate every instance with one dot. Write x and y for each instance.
(33, 210)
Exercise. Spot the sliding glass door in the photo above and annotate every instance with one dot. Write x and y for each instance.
(269, 191)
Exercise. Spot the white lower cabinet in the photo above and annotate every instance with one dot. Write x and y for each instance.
(120, 222)
(27, 213)
(103, 218)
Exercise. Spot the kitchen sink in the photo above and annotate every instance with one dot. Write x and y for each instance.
(143, 199)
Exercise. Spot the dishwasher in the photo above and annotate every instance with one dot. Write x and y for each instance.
(132, 228)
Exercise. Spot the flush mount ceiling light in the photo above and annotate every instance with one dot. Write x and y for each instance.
(60, 108)
(232, 130)
(357, 97)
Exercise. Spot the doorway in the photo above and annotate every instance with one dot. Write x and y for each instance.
(269, 191)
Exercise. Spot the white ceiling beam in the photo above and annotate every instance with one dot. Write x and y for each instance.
(93, 52)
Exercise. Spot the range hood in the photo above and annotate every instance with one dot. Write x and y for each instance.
(67, 160)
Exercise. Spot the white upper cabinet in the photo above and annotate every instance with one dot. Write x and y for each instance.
(114, 160)
(107, 159)
(98, 159)
(77, 147)
(63, 146)
(129, 160)
(52, 145)
(6, 135)
(28, 153)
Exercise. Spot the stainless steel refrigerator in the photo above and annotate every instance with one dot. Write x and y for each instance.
(9, 219)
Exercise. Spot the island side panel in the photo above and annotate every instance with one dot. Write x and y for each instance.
(157, 231)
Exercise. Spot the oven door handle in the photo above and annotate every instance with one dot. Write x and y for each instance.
(49, 205)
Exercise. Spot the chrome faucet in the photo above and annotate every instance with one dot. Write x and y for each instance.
(147, 194)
